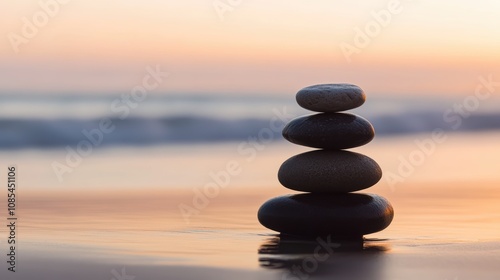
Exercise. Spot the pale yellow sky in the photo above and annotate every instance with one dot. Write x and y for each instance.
(254, 47)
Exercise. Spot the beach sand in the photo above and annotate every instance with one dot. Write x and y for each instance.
(446, 226)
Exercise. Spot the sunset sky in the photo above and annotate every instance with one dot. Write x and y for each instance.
(255, 47)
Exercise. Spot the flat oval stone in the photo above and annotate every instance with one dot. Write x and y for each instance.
(329, 131)
(326, 171)
(313, 215)
(331, 97)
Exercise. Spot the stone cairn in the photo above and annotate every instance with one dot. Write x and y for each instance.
(328, 175)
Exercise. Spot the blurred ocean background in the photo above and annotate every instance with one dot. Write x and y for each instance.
(54, 121)
(64, 68)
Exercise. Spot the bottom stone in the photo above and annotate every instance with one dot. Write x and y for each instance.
(336, 215)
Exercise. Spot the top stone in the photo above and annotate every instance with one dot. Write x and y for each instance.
(330, 98)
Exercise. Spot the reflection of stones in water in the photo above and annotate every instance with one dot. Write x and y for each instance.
(301, 258)
(290, 246)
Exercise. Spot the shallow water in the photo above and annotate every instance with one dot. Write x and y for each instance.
(120, 209)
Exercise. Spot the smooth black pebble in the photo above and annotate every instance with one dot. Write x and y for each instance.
(331, 97)
(315, 215)
(329, 131)
(325, 171)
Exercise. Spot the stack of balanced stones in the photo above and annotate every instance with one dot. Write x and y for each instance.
(330, 174)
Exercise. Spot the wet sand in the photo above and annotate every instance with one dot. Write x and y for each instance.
(444, 228)
(88, 236)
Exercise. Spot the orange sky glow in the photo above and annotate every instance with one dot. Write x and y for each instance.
(251, 47)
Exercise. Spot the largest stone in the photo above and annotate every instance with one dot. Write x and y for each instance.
(314, 215)
(329, 172)
(329, 131)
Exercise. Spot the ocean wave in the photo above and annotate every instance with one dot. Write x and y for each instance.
(188, 129)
